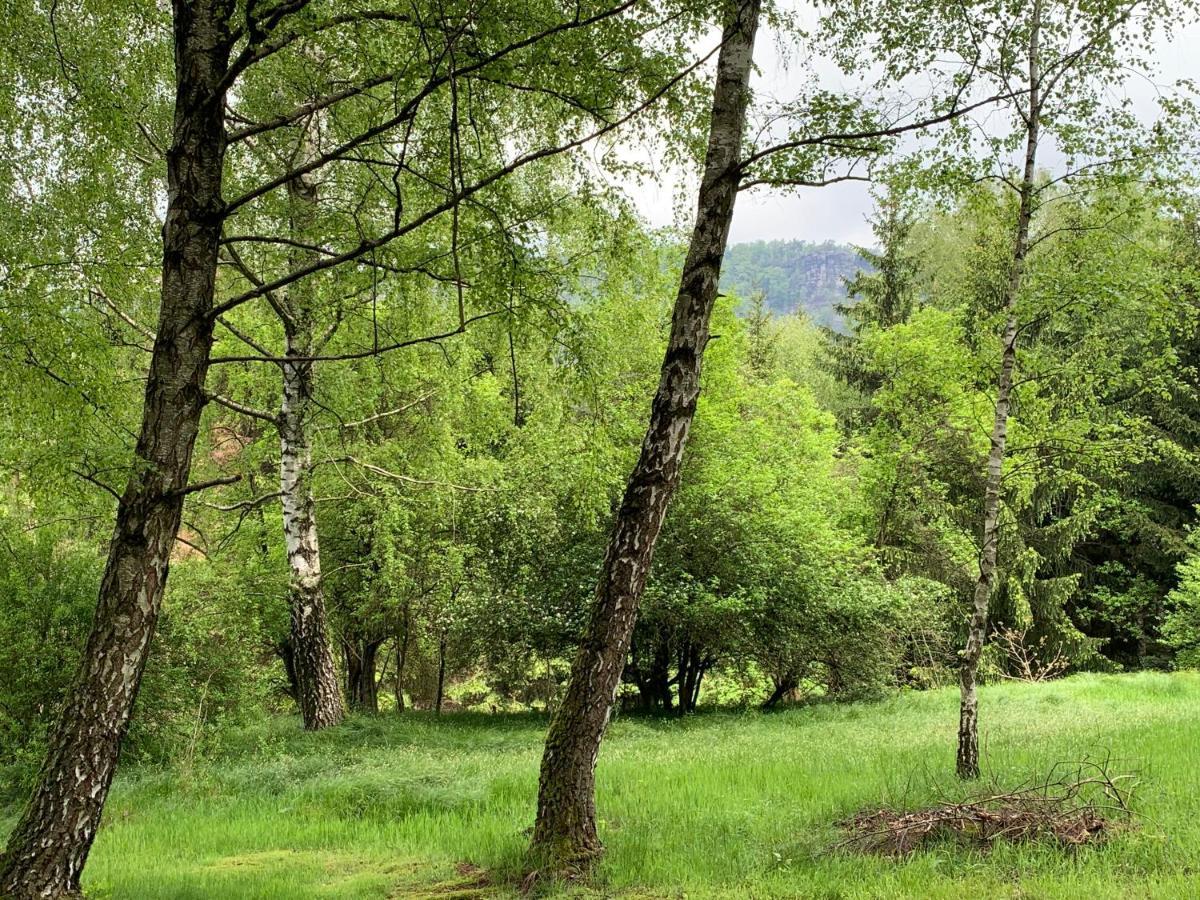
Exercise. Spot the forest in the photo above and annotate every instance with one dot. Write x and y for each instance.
(391, 505)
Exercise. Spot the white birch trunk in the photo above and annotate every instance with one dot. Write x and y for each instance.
(968, 723)
(319, 697)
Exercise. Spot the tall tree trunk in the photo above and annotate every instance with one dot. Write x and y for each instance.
(700, 673)
(688, 663)
(50, 844)
(319, 698)
(565, 830)
(353, 665)
(967, 763)
(660, 674)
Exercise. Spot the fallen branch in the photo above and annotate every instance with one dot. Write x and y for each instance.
(1069, 807)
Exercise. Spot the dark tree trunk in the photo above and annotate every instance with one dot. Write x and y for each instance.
(361, 656)
(49, 846)
(666, 700)
(695, 700)
(287, 655)
(654, 688)
(694, 665)
(688, 665)
(783, 687)
(565, 830)
(441, 676)
(633, 670)
(967, 762)
(401, 660)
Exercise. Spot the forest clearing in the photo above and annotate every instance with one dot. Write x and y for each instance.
(634, 448)
(723, 804)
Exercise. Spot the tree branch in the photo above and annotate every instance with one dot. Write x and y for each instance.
(242, 408)
(367, 245)
(407, 479)
(890, 131)
(244, 504)
(205, 485)
(359, 354)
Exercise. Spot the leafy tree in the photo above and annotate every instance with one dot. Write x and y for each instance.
(213, 203)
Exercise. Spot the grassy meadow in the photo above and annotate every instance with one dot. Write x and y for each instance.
(721, 804)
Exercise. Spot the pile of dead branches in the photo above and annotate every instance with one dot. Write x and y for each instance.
(1072, 806)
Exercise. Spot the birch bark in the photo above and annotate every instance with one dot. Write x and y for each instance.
(968, 723)
(48, 847)
(319, 696)
(565, 830)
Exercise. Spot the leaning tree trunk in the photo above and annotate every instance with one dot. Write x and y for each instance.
(49, 846)
(967, 764)
(565, 831)
(785, 687)
(320, 700)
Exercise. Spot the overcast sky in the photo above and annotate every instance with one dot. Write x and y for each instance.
(839, 212)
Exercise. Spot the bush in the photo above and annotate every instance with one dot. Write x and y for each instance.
(48, 587)
(1182, 627)
(201, 668)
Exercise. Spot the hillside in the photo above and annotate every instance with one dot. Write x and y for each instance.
(794, 275)
(715, 805)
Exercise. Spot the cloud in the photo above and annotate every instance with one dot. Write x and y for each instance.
(840, 212)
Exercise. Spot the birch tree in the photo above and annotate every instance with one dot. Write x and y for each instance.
(1056, 65)
(1064, 56)
(218, 48)
(566, 819)
(825, 138)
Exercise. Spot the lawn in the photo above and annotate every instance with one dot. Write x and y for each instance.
(717, 805)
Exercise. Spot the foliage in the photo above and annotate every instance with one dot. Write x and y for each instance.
(47, 587)
(1182, 626)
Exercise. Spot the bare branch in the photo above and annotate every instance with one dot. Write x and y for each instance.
(242, 408)
(122, 315)
(266, 291)
(407, 479)
(391, 412)
(91, 479)
(195, 547)
(888, 131)
(359, 354)
(367, 245)
(205, 485)
(244, 504)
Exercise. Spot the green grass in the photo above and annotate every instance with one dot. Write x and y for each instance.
(718, 805)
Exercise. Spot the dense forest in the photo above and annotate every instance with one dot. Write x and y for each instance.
(346, 314)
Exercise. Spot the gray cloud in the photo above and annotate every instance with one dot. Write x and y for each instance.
(840, 212)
